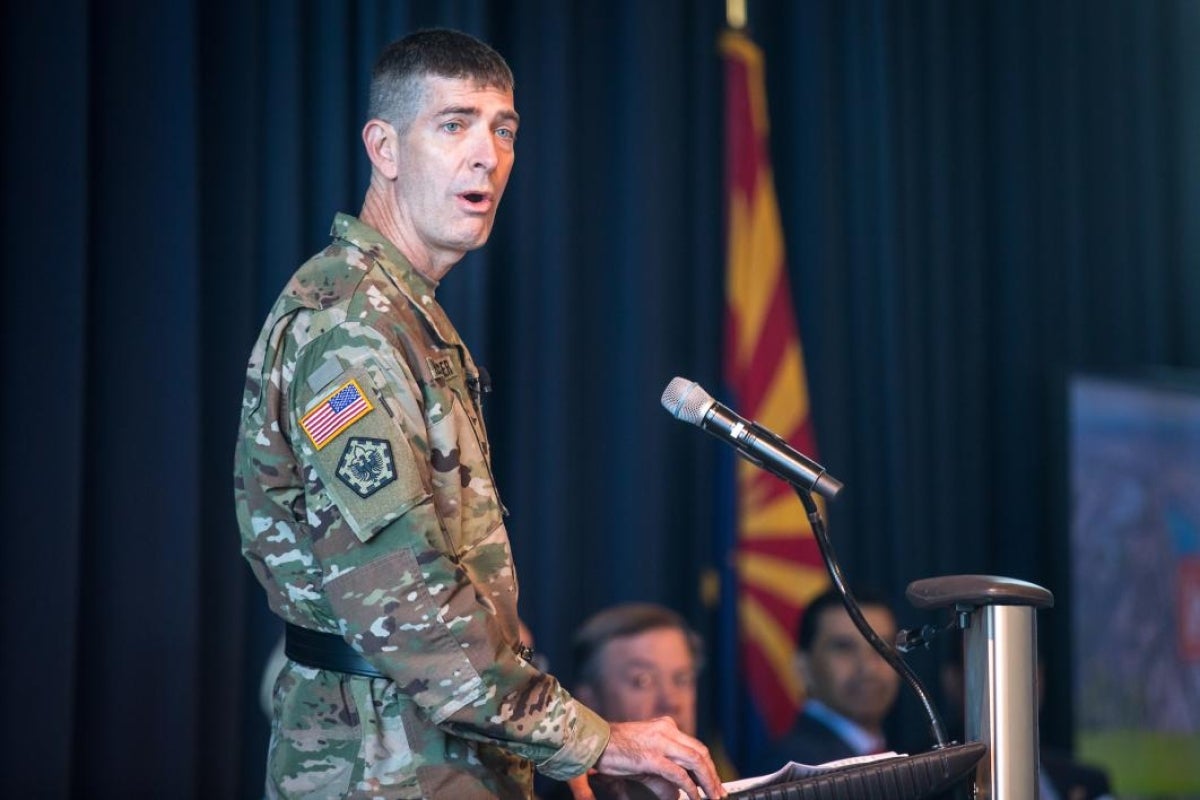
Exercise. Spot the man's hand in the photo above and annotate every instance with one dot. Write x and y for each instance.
(662, 757)
(580, 788)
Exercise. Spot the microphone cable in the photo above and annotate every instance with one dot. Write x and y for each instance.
(883, 648)
(688, 402)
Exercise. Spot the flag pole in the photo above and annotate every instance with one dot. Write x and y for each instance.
(735, 14)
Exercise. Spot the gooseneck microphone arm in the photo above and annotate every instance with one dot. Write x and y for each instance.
(883, 648)
(686, 401)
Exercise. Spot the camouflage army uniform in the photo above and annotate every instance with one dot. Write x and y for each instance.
(367, 509)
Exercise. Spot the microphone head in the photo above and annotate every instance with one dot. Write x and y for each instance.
(686, 400)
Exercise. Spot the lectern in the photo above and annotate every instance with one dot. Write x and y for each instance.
(998, 617)
(999, 625)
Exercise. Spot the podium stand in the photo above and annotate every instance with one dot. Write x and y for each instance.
(998, 617)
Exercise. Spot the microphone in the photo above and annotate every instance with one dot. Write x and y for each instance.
(687, 401)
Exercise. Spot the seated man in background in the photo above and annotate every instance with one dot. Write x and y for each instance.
(849, 687)
(633, 662)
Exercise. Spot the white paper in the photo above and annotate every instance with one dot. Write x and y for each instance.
(792, 771)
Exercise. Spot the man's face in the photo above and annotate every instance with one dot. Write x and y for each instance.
(647, 675)
(453, 162)
(845, 673)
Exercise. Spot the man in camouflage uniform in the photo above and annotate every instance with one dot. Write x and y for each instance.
(365, 496)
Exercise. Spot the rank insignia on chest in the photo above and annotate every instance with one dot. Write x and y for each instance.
(441, 367)
(335, 413)
(366, 465)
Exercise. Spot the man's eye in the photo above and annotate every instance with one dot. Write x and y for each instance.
(685, 680)
(452, 127)
(506, 133)
(641, 680)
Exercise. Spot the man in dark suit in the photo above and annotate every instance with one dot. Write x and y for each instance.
(633, 662)
(849, 687)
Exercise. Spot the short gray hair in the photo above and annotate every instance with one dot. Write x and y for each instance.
(396, 79)
(618, 622)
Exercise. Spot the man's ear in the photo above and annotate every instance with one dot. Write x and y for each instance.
(381, 141)
(803, 673)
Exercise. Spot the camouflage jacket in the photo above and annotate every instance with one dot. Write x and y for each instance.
(367, 508)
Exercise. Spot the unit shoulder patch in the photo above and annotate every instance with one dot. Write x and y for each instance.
(366, 465)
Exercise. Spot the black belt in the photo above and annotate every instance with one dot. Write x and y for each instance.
(326, 651)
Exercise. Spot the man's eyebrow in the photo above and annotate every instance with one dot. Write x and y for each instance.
(509, 116)
(640, 663)
(473, 111)
(469, 111)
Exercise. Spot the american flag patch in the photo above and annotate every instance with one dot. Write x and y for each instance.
(335, 413)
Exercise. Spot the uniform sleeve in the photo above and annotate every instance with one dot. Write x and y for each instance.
(414, 556)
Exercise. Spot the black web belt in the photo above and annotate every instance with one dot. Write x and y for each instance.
(326, 651)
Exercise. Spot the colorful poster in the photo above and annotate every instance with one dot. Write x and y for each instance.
(1135, 552)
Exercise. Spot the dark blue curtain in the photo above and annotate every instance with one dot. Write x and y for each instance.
(978, 199)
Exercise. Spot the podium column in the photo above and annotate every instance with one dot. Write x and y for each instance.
(999, 619)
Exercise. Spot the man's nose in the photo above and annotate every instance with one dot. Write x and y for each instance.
(670, 698)
(484, 153)
(873, 662)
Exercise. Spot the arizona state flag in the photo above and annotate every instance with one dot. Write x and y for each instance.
(777, 564)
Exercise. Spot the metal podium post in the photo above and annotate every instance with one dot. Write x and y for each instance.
(999, 621)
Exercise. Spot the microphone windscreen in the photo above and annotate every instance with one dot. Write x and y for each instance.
(686, 401)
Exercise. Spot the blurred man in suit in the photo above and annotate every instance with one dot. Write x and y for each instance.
(849, 687)
(637, 661)
(633, 662)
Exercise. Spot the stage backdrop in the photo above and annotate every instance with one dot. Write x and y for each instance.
(976, 199)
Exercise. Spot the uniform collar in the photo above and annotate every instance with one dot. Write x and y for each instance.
(369, 240)
(417, 287)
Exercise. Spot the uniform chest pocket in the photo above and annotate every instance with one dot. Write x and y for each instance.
(463, 487)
